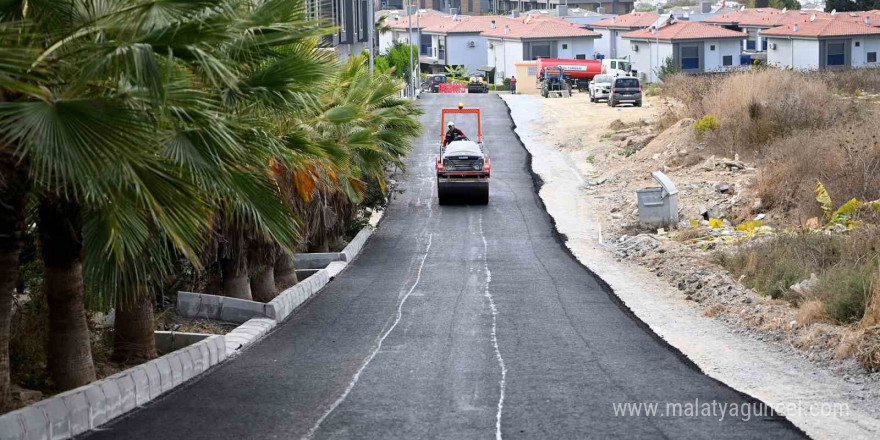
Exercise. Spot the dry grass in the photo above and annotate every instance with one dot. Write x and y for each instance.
(755, 107)
(714, 310)
(849, 81)
(811, 312)
(845, 159)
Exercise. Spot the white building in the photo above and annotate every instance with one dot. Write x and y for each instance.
(693, 48)
(514, 40)
(443, 40)
(611, 45)
(837, 42)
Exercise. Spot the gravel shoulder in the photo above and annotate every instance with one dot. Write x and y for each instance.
(769, 369)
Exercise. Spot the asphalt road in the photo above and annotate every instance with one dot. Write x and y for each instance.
(459, 322)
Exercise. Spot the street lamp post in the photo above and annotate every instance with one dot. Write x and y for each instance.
(370, 30)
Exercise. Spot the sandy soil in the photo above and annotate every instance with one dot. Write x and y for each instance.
(731, 333)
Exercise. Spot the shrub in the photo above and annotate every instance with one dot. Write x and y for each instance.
(844, 290)
(846, 265)
(705, 124)
(755, 107)
(846, 159)
(667, 69)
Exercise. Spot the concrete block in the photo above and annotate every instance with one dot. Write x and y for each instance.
(58, 417)
(197, 360)
(220, 342)
(186, 363)
(78, 410)
(335, 268)
(128, 398)
(113, 398)
(240, 310)
(315, 260)
(11, 427)
(35, 422)
(97, 405)
(145, 379)
(154, 378)
(176, 368)
(169, 341)
(199, 305)
(213, 356)
(164, 366)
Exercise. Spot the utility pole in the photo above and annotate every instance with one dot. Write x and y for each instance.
(371, 29)
(412, 89)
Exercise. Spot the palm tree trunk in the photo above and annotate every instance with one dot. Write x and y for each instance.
(285, 271)
(235, 278)
(14, 185)
(263, 283)
(320, 245)
(69, 354)
(337, 243)
(133, 339)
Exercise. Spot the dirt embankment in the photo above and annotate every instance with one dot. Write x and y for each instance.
(616, 149)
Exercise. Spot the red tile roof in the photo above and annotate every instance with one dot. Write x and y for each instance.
(685, 30)
(537, 27)
(633, 20)
(823, 27)
(461, 24)
(742, 16)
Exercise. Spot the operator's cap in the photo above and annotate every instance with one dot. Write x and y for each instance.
(450, 124)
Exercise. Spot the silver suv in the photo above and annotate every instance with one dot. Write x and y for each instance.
(626, 89)
(600, 87)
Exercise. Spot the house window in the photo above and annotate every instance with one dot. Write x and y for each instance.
(712, 47)
(581, 56)
(542, 50)
(872, 57)
(564, 46)
(858, 43)
(835, 55)
(690, 58)
(764, 44)
(727, 60)
(750, 45)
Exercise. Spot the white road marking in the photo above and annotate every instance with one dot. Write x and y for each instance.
(503, 382)
(368, 359)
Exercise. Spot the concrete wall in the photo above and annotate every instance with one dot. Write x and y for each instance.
(458, 52)
(860, 54)
(504, 56)
(574, 47)
(386, 40)
(603, 44)
(797, 54)
(648, 59)
(713, 59)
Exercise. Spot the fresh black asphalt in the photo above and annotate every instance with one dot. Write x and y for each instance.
(404, 344)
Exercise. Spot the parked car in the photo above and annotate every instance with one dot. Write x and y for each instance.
(600, 87)
(625, 89)
(432, 83)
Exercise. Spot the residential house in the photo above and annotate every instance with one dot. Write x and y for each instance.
(753, 21)
(468, 7)
(611, 45)
(514, 40)
(443, 40)
(693, 47)
(833, 42)
(608, 6)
